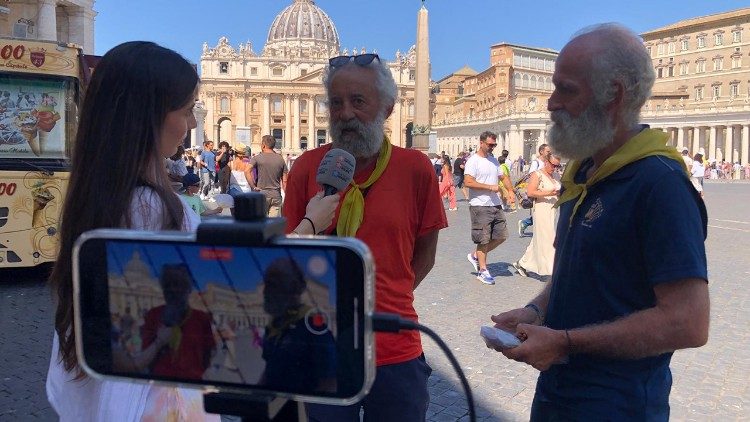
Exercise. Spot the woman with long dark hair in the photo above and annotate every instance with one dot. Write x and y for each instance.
(138, 108)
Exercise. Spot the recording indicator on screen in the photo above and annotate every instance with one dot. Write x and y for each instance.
(316, 321)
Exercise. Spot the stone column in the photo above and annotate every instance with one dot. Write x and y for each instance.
(47, 20)
(81, 28)
(680, 138)
(729, 144)
(296, 145)
(712, 143)
(311, 141)
(396, 129)
(266, 128)
(745, 148)
(513, 141)
(701, 140)
(288, 122)
(200, 124)
(241, 115)
(543, 136)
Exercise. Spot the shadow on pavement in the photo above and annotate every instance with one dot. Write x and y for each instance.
(448, 401)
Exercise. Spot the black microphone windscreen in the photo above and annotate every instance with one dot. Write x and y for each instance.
(336, 170)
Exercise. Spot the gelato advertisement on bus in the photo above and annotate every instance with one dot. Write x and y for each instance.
(32, 117)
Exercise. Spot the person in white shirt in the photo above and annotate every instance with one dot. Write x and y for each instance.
(489, 228)
(686, 158)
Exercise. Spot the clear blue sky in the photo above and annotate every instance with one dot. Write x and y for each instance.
(461, 31)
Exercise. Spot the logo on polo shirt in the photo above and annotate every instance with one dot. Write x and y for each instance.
(595, 211)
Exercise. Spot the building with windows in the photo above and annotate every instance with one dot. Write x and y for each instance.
(69, 21)
(702, 92)
(508, 98)
(701, 96)
(279, 90)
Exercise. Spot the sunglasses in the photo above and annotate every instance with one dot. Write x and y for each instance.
(490, 145)
(360, 60)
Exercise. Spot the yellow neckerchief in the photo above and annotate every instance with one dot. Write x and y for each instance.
(175, 337)
(646, 143)
(353, 207)
(279, 326)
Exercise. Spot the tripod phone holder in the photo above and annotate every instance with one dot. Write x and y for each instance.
(249, 227)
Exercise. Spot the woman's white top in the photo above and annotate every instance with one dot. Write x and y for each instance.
(239, 181)
(118, 401)
(698, 170)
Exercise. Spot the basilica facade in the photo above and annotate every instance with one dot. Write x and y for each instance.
(278, 90)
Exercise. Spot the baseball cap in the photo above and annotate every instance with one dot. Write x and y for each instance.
(190, 179)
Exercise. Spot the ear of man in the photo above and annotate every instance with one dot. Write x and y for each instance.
(615, 105)
(389, 110)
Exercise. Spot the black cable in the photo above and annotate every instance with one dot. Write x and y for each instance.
(392, 323)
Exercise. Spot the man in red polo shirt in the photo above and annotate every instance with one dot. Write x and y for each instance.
(188, 352)
(400, 214)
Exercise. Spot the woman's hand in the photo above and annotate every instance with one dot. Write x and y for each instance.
(321, 210)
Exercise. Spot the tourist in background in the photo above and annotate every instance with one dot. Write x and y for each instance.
(447, 188)
(543, 187)
(697, 173)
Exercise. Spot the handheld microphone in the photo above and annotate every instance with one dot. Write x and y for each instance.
(336, 171)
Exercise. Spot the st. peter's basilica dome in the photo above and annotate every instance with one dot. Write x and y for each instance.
(302, 29)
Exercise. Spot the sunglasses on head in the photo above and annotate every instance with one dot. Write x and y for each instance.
(360, 60)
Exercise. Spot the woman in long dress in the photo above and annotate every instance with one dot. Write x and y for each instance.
(544, 188)
(447, 188)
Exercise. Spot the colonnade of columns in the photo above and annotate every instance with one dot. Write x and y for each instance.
(730, 142)
(80, 24)
(293, 114)
(523, 140)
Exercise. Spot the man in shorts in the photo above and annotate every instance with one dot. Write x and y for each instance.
(488, 225)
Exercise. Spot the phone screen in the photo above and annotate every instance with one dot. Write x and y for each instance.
(267, 318)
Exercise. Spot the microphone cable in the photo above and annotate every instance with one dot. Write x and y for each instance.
(392, 323)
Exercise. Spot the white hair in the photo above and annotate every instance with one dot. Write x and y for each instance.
(622, 58)
(384, 82)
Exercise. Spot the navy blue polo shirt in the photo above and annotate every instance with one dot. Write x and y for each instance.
(641, 226)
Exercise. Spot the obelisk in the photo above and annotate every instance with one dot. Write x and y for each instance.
(422, 115)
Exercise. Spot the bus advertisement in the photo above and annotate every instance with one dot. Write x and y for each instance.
(40, 86)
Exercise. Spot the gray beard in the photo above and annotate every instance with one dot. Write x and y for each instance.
(583, 136)
(364, 141)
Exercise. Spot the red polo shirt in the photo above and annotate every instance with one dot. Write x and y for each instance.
(402, 205)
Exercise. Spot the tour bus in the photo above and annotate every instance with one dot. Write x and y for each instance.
(40, 89)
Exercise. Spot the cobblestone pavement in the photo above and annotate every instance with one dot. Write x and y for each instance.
(710, 383)
(26, 320)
